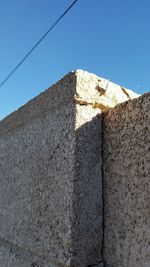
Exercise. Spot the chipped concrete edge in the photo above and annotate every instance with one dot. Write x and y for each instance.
(100, 93)
(125, 104)
(80, 86)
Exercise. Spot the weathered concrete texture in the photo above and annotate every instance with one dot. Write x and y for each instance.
(87, 194)
(126, 167)
(37, 184)
(51, 173)
(50, 178)
(13, 256)
(58, 95)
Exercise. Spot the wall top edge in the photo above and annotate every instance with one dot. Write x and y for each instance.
(51, 99)
(132, 106)
(83, 87)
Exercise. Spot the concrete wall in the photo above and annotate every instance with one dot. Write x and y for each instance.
(50, 181)
(74, 182)
(126, 167)
(13, 256)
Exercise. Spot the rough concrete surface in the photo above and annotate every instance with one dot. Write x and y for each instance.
(126, 170)
(50, 177)
(87, 195)
(51, 174)
(12, 256)
(37, 184)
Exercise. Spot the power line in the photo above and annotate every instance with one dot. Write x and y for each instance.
(35, 46)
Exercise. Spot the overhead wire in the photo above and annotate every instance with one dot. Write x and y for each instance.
(37, 44)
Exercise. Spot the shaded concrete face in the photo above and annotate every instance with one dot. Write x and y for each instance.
(87, 193)
(126, 166)
(50, 181)
(12, 256)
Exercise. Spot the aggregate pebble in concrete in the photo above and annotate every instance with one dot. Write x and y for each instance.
(126, 167)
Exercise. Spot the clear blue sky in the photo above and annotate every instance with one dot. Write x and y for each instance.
(105, 37)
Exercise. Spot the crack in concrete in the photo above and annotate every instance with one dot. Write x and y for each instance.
(94, 104)
(125, 92)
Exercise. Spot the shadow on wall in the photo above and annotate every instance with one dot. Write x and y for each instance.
(87, 195)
